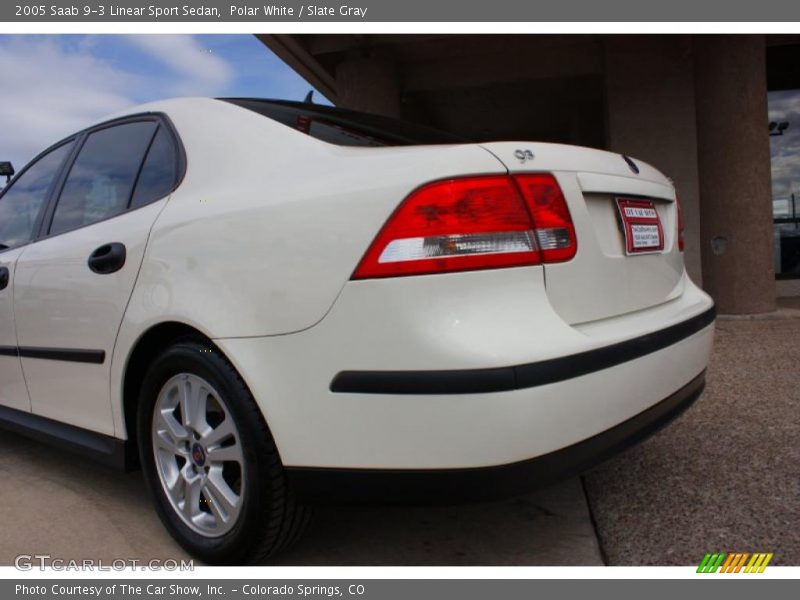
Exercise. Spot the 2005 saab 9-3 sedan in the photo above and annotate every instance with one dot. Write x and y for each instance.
(268, 304)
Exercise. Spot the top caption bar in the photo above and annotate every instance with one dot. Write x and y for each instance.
(444, 11)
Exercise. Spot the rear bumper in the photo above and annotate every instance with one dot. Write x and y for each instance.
(464, 371)
(410, 486)
(518, 377)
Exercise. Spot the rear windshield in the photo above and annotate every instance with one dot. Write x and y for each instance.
(346, 127)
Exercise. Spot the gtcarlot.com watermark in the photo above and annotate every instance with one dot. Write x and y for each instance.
(29, 562)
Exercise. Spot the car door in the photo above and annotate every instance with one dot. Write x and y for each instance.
(72, 286)
(22, 207)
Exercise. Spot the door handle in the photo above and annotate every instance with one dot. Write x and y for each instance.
(108, 258)
(4, 276)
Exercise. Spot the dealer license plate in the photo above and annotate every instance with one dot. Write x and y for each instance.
(641, 226)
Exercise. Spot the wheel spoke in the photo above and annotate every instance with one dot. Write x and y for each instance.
(224, 503)
(187, 403)
(200, 402)
(225, 454)
(168, 424)
(165, 442)
(219, 433)
(194, 404)
(216, 509)
(191, 498)
(177, 487)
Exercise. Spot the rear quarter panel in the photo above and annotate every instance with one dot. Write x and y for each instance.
(268, 224)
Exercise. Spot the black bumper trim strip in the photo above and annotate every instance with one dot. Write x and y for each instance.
(431, 486)
(503, 379)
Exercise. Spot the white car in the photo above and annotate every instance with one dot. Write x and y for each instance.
(269, 304)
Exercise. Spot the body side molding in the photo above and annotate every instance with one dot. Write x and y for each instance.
(96, 357)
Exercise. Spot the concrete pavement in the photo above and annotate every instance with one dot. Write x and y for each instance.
(53, 503)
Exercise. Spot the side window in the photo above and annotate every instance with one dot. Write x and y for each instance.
(100, 182)
(159, 172)
(23, 203)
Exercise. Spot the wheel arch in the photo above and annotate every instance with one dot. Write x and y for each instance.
(141, 356)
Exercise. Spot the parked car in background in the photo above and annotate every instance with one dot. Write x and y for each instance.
(267, 304)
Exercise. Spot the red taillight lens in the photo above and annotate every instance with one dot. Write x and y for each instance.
(681, 224)
(464, 224)
(555, 233)
(453, 225)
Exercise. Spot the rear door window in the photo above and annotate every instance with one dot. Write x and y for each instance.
(101, 180)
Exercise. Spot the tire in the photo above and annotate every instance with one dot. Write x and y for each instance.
(237, 507)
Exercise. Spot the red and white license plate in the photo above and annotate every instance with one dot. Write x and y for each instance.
(642, 227)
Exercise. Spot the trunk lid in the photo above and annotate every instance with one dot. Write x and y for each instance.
(602, 280)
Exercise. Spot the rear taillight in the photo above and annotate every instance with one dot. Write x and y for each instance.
(472, 223)
(555, 233)
(681, 224)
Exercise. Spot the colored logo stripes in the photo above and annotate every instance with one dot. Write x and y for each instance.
(735, 562)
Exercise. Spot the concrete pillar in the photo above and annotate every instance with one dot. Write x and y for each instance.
(734, 164)
(651, 116)
(369, 85)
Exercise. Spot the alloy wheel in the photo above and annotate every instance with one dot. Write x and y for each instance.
(198, 455)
